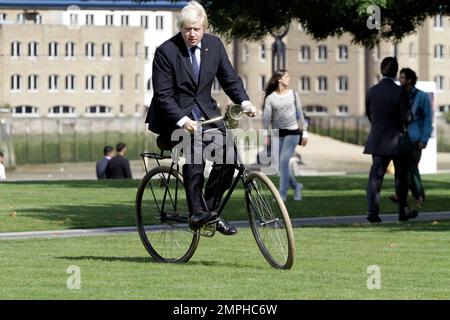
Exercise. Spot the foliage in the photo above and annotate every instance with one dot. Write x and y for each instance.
(254, 19)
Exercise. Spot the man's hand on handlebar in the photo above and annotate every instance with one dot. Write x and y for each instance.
(250, 110)
(191, 126)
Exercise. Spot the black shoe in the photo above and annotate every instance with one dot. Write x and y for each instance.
(374, 218)
(225, 228)
(198, 219)
(407, 215)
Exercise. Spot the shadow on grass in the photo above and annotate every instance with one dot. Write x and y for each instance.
(140, 260)
(87, 216)
(113, 183)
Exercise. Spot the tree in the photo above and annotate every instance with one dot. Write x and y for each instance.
(254, 19)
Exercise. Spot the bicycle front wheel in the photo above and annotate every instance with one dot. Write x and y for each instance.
(162, 216)
(269, 221)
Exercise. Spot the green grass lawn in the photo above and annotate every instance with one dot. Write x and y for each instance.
(87, 204)
(331, 263)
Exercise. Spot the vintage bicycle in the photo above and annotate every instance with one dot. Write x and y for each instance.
(162, 212)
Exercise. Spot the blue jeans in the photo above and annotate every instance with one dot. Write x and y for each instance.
(287, 148)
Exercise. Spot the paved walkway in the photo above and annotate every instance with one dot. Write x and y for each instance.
(298, 222)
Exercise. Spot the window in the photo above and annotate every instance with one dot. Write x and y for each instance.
(25, 111)
(439, 82)
(262, 83)
(137, 79)
(98, 110)
(32, 82)
(90, 50)
(322, 84)
(304, 54)
(159, 22)
(121, 107)
(121, 82)
(89, 19)
(215, 86)
(439, 51)
(125, 20)
(342, 53)
(438, 21)
(147, 50)
(107, 83)
(90, 82)
(121, 50)
(15, 49)
(15, 82)
(38, 19)
(70, 82)
(70, 50)
(411, 50)
(342, 83)
(144, 22)
(342, 110)
(245, 53)
(137, 47)
(53, 49)
(109, 20)
(322, 53)
(73, 19)
(20, 18)
(444, 108)
(106, 50)
(262, 52)
(53, 82)
(61, 111)
(33, 49)
(245, 82)
(304, 84)
(395, 50)
(3, 17)
(316, 109)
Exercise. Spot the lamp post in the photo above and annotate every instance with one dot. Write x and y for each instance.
(279, 49)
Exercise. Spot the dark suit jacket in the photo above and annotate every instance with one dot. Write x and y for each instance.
(385, 105)
(118, 168)
(176, 91)
(100, 168)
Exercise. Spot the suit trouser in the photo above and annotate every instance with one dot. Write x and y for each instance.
(220, 178)
(376, 176)
(414, 173)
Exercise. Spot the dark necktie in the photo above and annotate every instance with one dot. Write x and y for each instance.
(195, 67)
(196, 112)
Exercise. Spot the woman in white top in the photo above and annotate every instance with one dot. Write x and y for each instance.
(283, 112)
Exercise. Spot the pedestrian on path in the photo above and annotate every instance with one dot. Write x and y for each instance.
(2, 167)
(283, 112)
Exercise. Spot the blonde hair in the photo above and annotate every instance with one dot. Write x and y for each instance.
(193, 12)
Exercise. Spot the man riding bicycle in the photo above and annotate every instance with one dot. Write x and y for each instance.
(184, 69)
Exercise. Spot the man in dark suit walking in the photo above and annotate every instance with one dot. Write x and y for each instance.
(119, 167)
(102, 164)
(386, 107)
(184, 69)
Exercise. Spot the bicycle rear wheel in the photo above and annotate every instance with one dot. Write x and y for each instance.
(269, 221)
(162, 216)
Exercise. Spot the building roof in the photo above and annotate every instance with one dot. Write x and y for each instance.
(92, 4)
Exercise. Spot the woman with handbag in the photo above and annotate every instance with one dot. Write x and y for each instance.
(283, 112)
